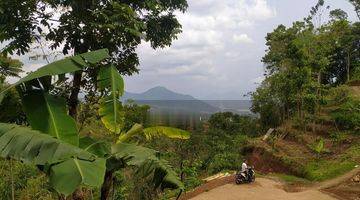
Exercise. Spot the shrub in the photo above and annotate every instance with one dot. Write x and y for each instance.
(320, 170)
(28, 183)
(225, 161)
(338, 95)
(347, 117)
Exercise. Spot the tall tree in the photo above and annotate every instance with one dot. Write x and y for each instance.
(356, 4)
(78, 26)
(9, 67)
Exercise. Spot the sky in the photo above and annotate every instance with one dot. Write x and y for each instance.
(218, 54)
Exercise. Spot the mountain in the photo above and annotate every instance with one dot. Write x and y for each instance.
(163, 99)
(157, 93)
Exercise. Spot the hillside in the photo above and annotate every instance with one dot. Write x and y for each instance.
(158, 93)
(323, 150)
(316, 160)
(161, 99)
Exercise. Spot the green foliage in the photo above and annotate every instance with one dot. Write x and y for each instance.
(174, 133)
(356, 4)
(191, 173)
(225, 161)
(302, 62)
(110, 109)
(234, 124)
(291, 179)
(319, 147)
(149, 164)
(61, 67)
(320, 170)
(70, 166)
(338, 14)
(118, 26)
(11, 107)
(338, 136)
(54, 150)
(338, 95)
(49, 115)
(347, 116)
(9, 67)
(28, 182)
(135, 114)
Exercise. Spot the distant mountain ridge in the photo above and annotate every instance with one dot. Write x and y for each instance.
(157, 93)
(163, 99)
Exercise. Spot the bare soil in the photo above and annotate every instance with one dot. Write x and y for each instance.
(347, 190)
(262, 189)
(343, 188)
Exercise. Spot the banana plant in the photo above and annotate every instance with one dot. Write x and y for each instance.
(112, 115)
(53, 143)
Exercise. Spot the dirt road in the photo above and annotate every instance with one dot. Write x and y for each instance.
(262, 189)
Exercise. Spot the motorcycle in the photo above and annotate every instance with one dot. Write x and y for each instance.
(245, 177)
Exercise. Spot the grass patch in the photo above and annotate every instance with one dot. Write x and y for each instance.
(291, 179)
(353, 153)
(326, 169)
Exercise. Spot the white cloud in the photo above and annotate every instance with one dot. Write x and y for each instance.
(207, 53)
(260, 10)
(242, 38)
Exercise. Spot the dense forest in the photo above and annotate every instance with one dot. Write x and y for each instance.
(56, 145)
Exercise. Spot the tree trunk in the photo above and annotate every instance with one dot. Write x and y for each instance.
(182, 174)
(107, 185)
(76, 85)
(73, 100)
(348, 67)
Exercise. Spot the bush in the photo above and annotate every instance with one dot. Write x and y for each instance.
(28, 183)
(347, 117)
(234, 124)
(225, 161)
(191, 173)
(338, 95)
(320, 170)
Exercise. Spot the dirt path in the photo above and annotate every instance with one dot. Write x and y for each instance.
(262, 189)
(337, 181)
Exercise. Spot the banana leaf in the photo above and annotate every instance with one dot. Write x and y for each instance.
(70, 166)
(149, 164)
(48, 114)
(67, 65)
(110, 109)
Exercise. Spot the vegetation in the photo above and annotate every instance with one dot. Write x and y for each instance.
(302, 62)
(119, 26)
(54, 145)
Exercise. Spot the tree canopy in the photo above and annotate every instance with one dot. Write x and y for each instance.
(79, 26)
(83, 25)
(302, 61)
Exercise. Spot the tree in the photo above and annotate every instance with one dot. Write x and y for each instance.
(9, 67)
(80, 25)
(10, 109)
(356, 4)
(338, 14)
(54, 145)
(302, 61)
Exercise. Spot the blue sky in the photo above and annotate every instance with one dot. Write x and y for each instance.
(218, 55)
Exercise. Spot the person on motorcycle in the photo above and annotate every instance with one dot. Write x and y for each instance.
(244, 168)
(246, 174)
